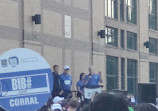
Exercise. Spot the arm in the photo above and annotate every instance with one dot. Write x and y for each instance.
(101, 81)
(61, 90)
(78, 89)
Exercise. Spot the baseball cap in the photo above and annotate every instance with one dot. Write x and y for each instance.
(56, 106)
(66, 67)
(57, 99)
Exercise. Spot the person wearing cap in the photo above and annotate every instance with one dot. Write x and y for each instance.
(56, 107)
(58, 100)
(93, 79)
(66, 82)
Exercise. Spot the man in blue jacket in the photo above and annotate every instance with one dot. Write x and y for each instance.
(93, 79)
(66, 82)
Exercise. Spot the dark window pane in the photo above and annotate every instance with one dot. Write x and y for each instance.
(131, 75)
(153, 45)
(122, 10)
(111, 83)
(131, 85)
(122, 73)
(111, 72)
(131, 40)
(122, 39)
(153, 72)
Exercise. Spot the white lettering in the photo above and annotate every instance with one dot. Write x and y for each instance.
(21, 83)
(36, 102)
(32, 100)
(27, 101)
(11, 103)
(23, 101)
(16, 102)
(14, 84)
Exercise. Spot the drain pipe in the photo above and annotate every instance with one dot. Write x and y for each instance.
(21, 22)
(91, 19)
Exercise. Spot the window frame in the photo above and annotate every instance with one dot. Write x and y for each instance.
(113, 35)
(152, 15)
(133, 37)
(153, 65)
(134, 76)
(122, 39)
(113, 9)
(155, 51)
(123, 73)
(112, 76)
(133, 8)
(122, 7)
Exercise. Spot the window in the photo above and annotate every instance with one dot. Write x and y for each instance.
(122, 73)
(152, 14)
(131, 40)
(67, 28)
(131, 11)
(153, 72)
(153, 45)
(111, 8)
(111, 72)
(131, 76)
(122, 39)
(122, 10)
(111, 36)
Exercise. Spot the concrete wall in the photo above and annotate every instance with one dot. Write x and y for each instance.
(144, 36)
(9, 24)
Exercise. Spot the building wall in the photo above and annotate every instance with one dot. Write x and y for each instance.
(48, 39)
(9, 25)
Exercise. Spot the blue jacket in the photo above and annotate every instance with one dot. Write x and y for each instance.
(94, 80)
(81, 84)
(65, 81)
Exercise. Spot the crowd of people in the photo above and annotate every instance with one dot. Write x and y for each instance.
(101, 102)
(61, 98)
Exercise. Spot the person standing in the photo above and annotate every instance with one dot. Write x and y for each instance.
(93, 79)
(66, 82)
(80, 85)
(57, 88)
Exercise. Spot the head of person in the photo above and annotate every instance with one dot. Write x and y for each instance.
(145, 107)
(66, 69)
(56, 68)
(91, 69)
(58, 100)
(56, 107)
(82, 76)
(73, 104)
(85, 107)
(108, 102)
